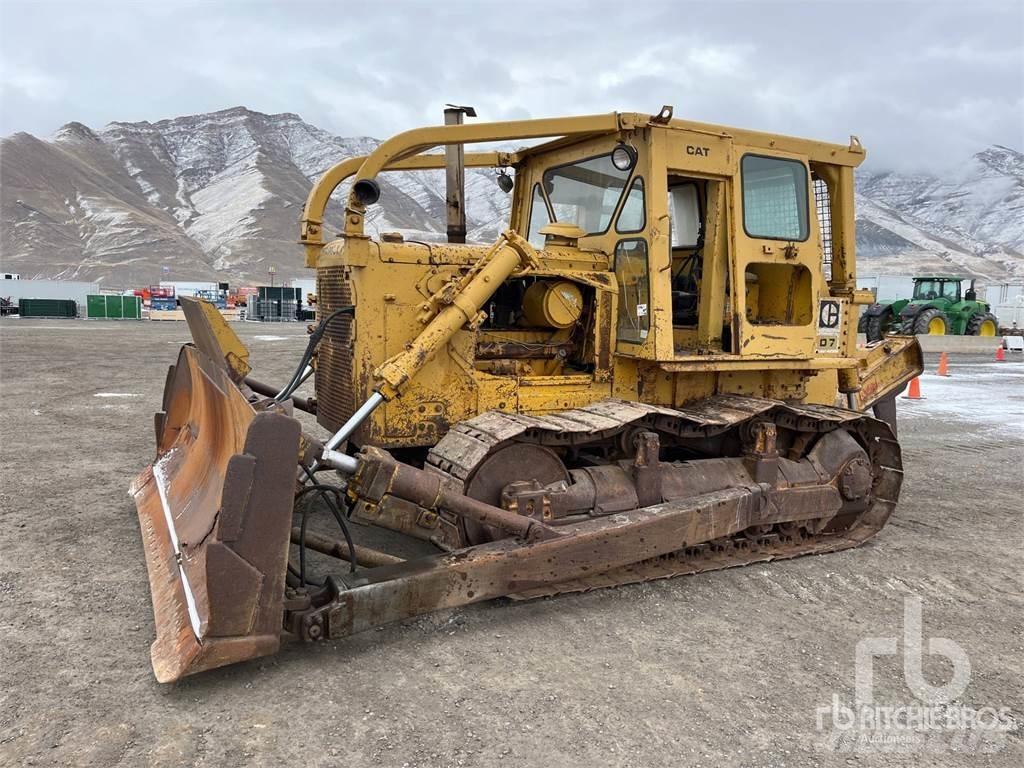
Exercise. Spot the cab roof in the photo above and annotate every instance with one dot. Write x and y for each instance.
(851, 154)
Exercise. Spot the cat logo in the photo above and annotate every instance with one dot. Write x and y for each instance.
(830, 323)
(828, 314)
(702, 151)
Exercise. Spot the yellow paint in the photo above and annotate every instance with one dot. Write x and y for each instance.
(556, 305)
(595, 314)
(212, 334)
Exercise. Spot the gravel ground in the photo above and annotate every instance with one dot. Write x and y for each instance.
(720, 669)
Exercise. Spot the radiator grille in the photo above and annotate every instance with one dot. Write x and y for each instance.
(335, 383)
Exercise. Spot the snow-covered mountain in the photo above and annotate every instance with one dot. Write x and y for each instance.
(969, 221)
(220, 194)
(196, 197)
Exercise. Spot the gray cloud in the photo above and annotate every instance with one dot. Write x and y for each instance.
(923, 84)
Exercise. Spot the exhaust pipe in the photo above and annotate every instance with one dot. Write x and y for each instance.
(455, 177)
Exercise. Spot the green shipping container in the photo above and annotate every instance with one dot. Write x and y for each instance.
(132, 307)
(60, 308)
(95, 306)
(101, 307)
(114, 308)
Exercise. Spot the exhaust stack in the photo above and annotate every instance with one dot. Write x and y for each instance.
(455, 176)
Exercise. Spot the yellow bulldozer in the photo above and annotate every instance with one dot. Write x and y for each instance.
(652, 371)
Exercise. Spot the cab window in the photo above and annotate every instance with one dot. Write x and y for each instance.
(634, 321)
(633, 214)
(774, 198)
(933, 289)
(538, 218)
(586, 193)
(684, 213)
(926, 289)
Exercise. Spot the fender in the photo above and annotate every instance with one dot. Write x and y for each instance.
(913, 309)
(877, 310)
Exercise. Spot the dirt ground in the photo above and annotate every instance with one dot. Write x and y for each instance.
(721, 669)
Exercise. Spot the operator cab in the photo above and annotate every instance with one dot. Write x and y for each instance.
(931, 288)
(719, 245)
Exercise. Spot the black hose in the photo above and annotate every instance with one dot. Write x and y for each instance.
(292, 578)
(324, 490)
(314, 339)
(302, 544)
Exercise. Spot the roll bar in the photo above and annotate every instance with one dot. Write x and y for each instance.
(404, 152)
(311, 235)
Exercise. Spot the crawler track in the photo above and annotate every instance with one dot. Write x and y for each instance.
(599, 428)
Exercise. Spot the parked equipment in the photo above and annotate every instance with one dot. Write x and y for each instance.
(647, 374)
(218, 297)
(274, 304)
(161, 298)
(937, 308)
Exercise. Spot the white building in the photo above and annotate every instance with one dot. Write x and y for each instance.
(1007, 300)
(48, 289)
(188, 287)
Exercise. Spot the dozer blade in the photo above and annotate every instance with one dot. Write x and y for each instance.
(215, 513)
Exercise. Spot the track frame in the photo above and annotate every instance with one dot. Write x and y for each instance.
(756, 521)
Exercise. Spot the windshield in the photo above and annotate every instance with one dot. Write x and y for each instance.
(585, 194)
(933, 289)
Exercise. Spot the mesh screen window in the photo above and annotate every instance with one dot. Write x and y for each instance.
(823, 205)
(774, 198)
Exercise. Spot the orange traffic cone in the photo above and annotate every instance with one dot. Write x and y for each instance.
(915, 390)
(943, 364)
(1000, 354)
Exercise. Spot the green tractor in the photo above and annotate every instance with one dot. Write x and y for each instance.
(937, 308)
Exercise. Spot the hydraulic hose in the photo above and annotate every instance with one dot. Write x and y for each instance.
(305, 369)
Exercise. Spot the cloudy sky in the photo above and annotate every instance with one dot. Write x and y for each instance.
(923, 84)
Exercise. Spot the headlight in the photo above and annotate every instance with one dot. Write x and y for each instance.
(623, 157)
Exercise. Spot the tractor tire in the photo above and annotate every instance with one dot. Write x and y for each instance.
(983, 324)
(862, 324)
(877, 326)
(931, 322)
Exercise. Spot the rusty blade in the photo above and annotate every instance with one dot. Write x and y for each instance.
(215, 513)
